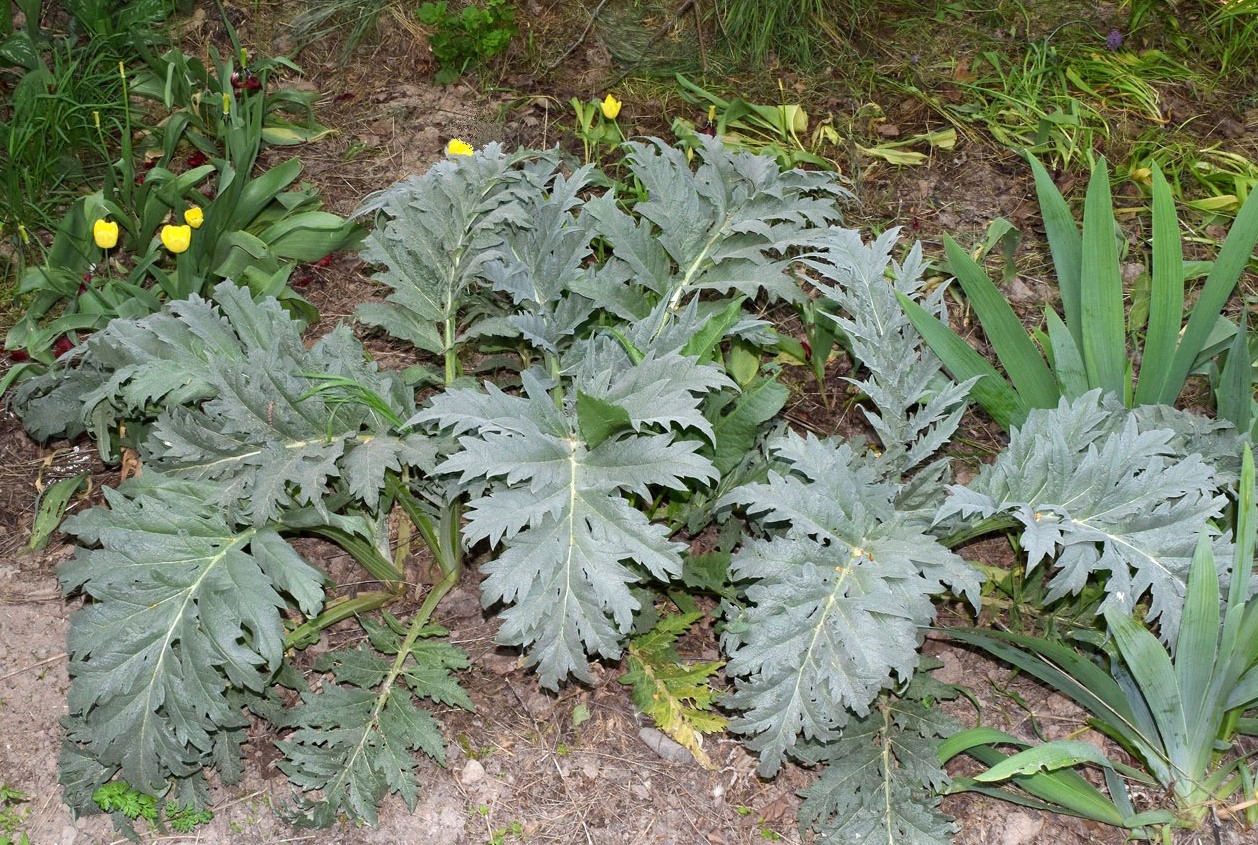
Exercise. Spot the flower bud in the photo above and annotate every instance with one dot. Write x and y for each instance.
(176, 238)
(105, 233)
(610, 106)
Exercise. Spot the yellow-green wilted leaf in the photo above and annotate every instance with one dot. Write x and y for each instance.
(284, 134)
(893, 155)
(52, 509)
(674, 694)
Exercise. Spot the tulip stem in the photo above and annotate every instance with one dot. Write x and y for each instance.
(184, 275)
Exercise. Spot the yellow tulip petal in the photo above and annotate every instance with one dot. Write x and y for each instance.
(105, 233)
(610, 106)
(194, 216)
(176, 238)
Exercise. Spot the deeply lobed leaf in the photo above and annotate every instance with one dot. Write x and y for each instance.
(883, 776)
(1100, 492)
(558, 505)
(677, 696)
(354, 740)
(439, 233)
(835, 598)
(731, 224)
(185, 607)
(915, 410)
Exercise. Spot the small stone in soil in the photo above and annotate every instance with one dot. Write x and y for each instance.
(473, 772)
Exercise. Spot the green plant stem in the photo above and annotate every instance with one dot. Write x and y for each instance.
(442, 538)
(185, 278)
(674, 301)
(451, 353)
(308, 632)
(960, 537)
(376, 564)
(418, 623)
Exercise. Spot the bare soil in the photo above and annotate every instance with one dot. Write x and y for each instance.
(521, 767)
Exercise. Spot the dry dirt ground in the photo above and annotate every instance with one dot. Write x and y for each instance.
(523, 767)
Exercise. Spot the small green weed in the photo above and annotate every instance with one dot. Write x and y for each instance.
(515, 830)
(120, 797)
(767, 833)
(12, 816)
(464, 39)
(185, 818)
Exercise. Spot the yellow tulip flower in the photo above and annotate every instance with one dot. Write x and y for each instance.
(105, 233)
(194, 216)
(610, 106)
(459, 148)
(176, 238)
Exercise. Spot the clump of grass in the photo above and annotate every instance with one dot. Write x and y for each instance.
(799, 33)
(356, 18)
(60, 83)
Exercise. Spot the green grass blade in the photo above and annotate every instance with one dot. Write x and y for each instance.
(1100, 290)
(1067, 361)
(1234, 396)
(1072, 675)
(991, 391)
(1197, 656)
(1243, 677)
(1154, 674)
(1243, 563)
(1064, 243)
(1233, 256)
(1021, 360)
(1245, 692)
(1064, 791)
(1048, 757)
(1166, 299)
(962, 742)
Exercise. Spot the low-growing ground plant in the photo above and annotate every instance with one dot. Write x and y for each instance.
(467, 37)
(626, 403)
(13, 816)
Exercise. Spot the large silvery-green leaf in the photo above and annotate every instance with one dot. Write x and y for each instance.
(184, 607)
(882, 778)
(1101, 493)
(659, 390)
(537, 265)
(836, 597)
(354, 740)
(273, 442)
(166, 357)
(247, 404)
(439, 231)
(728, 225)
(573, 544)
(916, 409)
